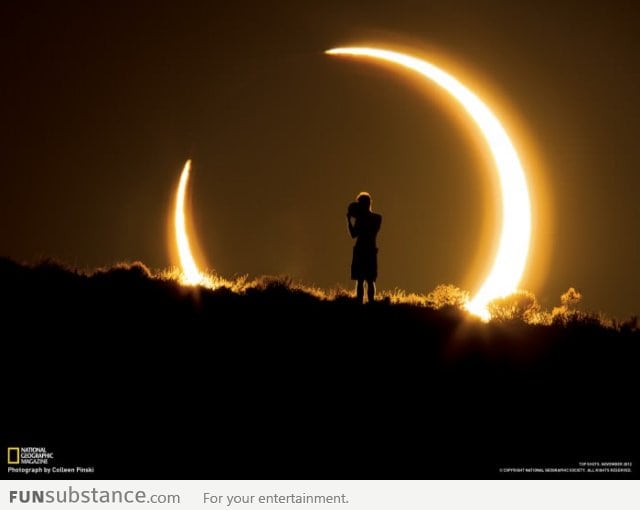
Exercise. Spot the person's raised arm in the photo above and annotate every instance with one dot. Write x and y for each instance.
(353, 230)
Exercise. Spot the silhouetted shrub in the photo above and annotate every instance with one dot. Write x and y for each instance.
(447, 295)
(519, 306)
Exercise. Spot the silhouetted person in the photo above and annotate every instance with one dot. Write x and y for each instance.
(365, 227)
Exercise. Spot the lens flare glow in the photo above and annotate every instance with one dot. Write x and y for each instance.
(191, 275)
(511, 257)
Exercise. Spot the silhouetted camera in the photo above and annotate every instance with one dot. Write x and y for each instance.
(354, 209)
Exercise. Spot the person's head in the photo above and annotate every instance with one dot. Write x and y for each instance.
(364, 199)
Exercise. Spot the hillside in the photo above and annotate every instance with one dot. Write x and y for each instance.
(146, 378)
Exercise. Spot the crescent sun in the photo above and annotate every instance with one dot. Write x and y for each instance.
(191, 274)
(515, 238)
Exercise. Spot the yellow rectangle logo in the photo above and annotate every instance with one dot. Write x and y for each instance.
(13, 455)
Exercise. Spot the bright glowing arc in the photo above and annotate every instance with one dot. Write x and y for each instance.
(191, 275)
(511, 257)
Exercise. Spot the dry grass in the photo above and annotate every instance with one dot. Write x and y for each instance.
(521, 306)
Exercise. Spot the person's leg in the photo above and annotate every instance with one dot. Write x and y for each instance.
(360, 291)
(371, 290)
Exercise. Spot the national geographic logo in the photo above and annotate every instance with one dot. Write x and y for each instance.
(13, 455)
(38, 460)
(32, 455)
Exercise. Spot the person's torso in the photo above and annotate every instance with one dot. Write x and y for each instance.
(368, 227)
